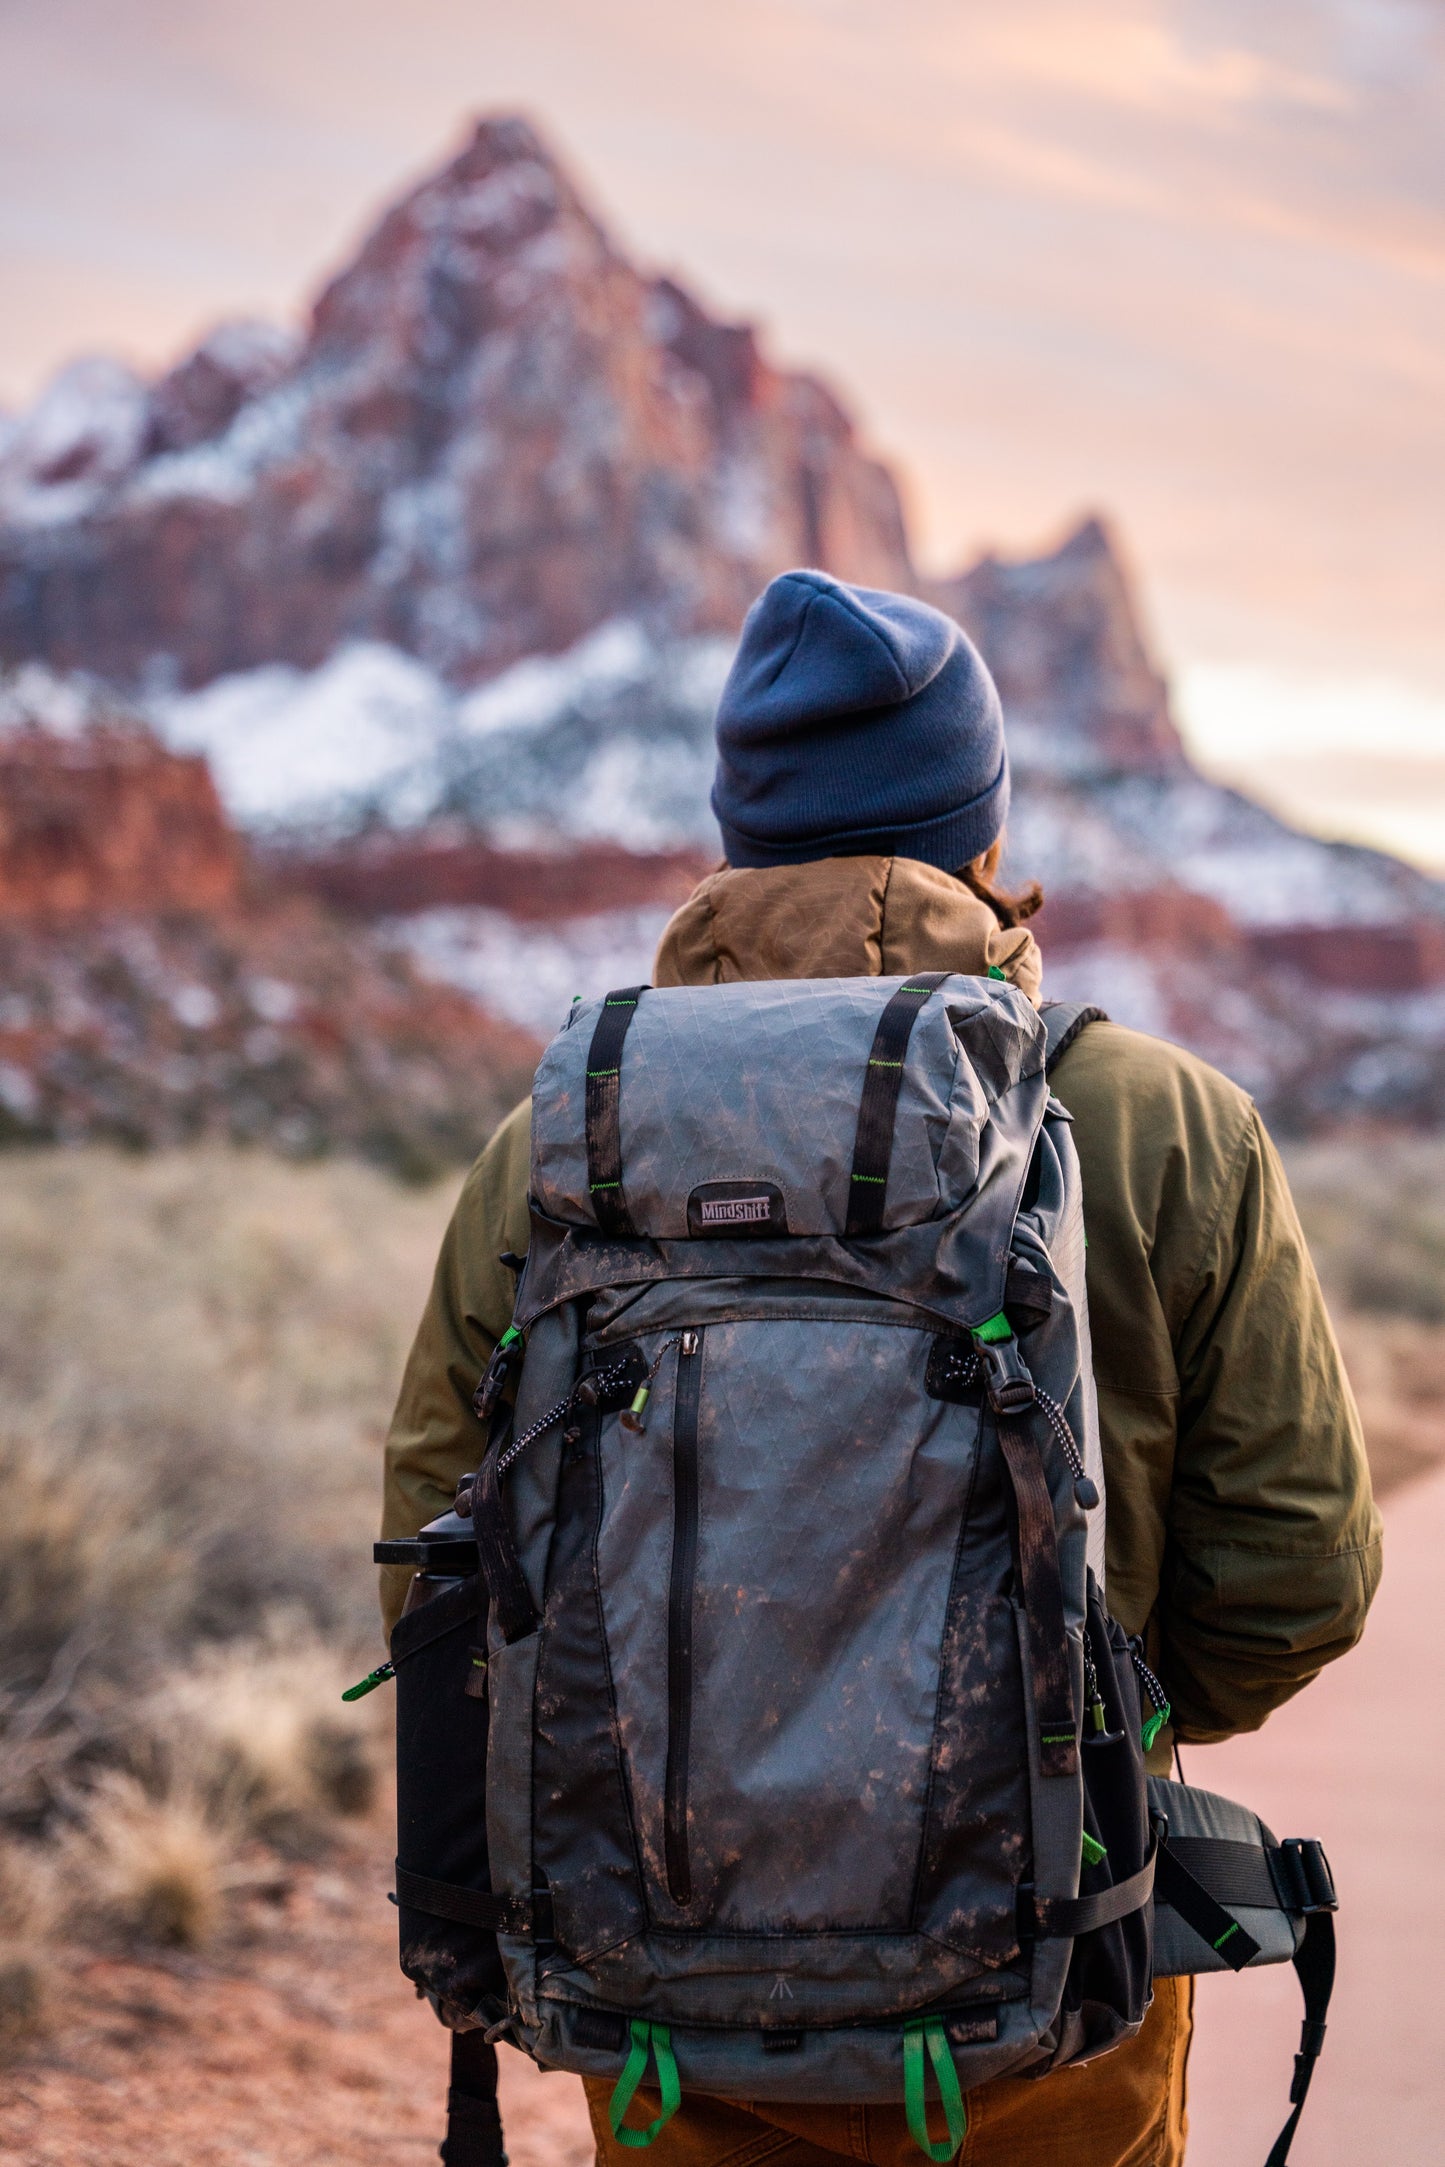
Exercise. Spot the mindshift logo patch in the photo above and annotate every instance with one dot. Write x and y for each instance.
(735, 1210)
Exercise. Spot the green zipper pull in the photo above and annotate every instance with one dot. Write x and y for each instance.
(1095, 1853)
(370, 1682)
(632, 1419)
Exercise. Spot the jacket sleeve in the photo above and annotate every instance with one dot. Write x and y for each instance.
(434, 1437)
(1272, 1543)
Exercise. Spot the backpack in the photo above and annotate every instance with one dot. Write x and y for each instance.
(762, 1728)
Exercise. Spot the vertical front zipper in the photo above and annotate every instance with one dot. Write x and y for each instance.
(679, 1613)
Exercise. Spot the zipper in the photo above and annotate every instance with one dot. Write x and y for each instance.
(681, 1589)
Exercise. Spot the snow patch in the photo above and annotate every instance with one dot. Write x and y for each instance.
(85, 432)
(265, 431)
(534, 693)
(613, 738)
(34, 697)
(286, 745)
(528, 973)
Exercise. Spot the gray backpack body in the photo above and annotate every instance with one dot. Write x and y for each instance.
(814, 1765)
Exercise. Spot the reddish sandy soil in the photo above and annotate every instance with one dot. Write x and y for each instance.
(300, 2046)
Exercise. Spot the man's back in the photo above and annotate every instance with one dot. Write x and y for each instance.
(1241, 1535)
(1241, 1531)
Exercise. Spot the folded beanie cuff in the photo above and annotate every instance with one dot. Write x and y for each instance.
(948, 840)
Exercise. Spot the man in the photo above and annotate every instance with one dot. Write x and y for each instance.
(862, 788)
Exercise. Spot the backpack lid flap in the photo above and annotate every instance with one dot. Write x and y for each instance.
(737, 1106)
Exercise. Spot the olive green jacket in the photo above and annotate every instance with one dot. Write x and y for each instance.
(1242, 1536)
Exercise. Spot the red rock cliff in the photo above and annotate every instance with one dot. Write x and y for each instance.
(109, 820)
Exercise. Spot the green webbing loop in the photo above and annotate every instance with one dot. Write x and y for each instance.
(1154, 1725)
(657, 2039)
(921, 2031)
(993, 1330)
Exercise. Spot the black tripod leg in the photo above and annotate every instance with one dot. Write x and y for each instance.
(474, 2121)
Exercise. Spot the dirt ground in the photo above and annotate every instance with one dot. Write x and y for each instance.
(298, 2045)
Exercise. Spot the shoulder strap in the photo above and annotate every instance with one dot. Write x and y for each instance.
(604, 1134)
(1063, 1021)
(873, 1148)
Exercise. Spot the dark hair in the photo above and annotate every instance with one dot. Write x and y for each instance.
(1010, 910)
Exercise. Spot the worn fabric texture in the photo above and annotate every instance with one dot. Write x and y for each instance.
(1125, 2110)
(868, 917)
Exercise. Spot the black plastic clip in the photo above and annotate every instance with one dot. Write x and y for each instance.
(1010, 1387)
(489, 1391)
(1302, 1875)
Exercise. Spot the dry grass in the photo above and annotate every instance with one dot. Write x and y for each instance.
(266, 1731)
(1374, 1210)
(197, 1358)
(152, 1861)
(29, 1913)
(198, 1353)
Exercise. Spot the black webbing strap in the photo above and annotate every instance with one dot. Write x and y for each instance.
(1043, 1594)
(604, 1134)
(873, 1149)
(474, 2120)
(1176, 1886)
(509, 1596)
(1057, 1917)
(1314, 1963)
(463, 1906)
(1233, 1872)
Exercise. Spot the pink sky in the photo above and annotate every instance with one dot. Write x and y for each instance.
(1185, 262)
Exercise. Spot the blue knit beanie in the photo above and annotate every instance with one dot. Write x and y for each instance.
(855, 721)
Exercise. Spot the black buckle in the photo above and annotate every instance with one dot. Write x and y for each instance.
(1302, 1876)
(494, 1379)
(1009, 1385)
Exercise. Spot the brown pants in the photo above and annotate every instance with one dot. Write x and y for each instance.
(1124, 2110)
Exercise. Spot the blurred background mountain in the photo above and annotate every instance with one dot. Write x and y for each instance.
(358, 693)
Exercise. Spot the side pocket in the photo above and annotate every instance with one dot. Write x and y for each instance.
(578, 1838)
(976, 1844)
(1109, 1972)
(441, 1797)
